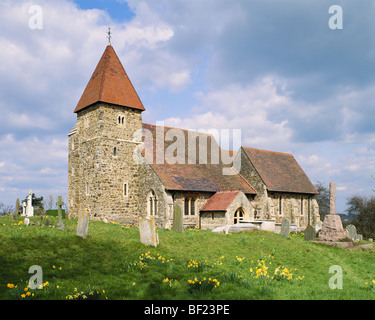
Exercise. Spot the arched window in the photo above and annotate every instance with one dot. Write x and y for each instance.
(152, 203)
(186, 211)
(121, 120)
(115, 151)
(238, 216)
(192, 207)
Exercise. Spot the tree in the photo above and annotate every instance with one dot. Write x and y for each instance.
(363, 210)
(323, 199)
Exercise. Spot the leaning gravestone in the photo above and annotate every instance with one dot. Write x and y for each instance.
(83, 224)
(147, 232)
(352, 232)
(177, 219)
(309, 233)
(285, 228)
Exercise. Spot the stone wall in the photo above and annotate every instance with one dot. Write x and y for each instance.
(267, 204)
(103, 176)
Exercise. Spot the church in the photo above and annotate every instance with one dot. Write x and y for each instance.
(121, 168)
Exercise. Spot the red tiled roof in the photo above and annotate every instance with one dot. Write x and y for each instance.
(220, 201)
(279, 171)
(195, 176)
(110, 83)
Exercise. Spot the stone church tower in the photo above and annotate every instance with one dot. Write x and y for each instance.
(102, 142)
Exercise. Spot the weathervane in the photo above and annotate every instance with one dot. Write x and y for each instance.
(109, 35)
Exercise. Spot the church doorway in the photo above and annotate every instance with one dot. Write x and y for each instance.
(238, 216)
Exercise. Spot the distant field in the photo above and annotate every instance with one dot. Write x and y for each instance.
(112, 264)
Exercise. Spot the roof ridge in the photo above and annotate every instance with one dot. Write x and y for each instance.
(188, 130)
(263, 150)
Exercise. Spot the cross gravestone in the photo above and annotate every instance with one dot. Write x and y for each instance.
(147, 232)
(309, 233)
(332, 229)
(29, 206)
(177, 219)
(60, 224)
(83, 224)
(285, 228)
(352, 232)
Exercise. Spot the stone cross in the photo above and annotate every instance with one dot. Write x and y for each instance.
(332, 203)
(29, 206)
(60, 224)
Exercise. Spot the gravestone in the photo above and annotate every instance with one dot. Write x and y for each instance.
(48, 223)
(23, 209)
(29, 205)
(26, 221)
(177, 219)
(352, 232)
(17, 209)
(147, 232)
(60, 224)
(83, 224)
(309, 233)
(285, 228)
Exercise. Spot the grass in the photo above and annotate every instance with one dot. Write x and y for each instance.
(111, 263)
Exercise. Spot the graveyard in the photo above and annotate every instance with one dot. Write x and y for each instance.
(99, 260)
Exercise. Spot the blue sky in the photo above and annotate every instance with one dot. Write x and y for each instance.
(272, 68)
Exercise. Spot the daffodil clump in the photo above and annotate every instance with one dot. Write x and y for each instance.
(26, 292)
(144, 260)
(169, 285)
(134, 266)
(263, 272)
(150, 259)
(89, 294)
(370, 285)
(202, 266)
(203, 285)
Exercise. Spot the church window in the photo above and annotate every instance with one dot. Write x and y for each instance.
(121, 120)
(280, 205)
(192, 207)
(189, 206)
(152, 203)
(186, 211)
(301, 206)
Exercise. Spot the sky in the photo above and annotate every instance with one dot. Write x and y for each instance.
(286, 73)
